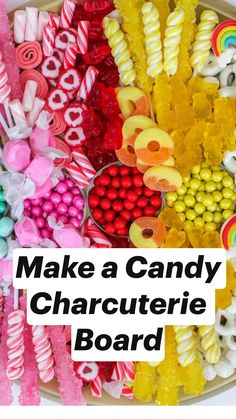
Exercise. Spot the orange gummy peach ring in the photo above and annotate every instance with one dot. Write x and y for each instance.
(126, 154)
(147, 232)
(153, 146)
(162, 178)
(132, 101)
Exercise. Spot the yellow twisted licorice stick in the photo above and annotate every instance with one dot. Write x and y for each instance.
(152, 39)
(202, 43)
(172, 40)
(119, 50)
(210, 344)
(186, 344)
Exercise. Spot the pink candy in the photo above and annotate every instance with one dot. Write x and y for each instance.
(43, 353)
(15, 343)
(39, 169)
(16, 155)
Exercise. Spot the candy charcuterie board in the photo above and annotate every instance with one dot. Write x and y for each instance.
(120, 132)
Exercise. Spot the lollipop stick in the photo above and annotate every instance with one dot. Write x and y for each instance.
(16, 299)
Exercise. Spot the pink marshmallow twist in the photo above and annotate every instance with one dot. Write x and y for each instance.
(82, 36)
(76, 173)
(43, 353)
(49, 33)
(87, 82)
(15, 344)
(54, 20)
(67, 13)
(96, 387)
(82, 160)
(5, 88)
(19, 26)
(70, 56)
(94, 233)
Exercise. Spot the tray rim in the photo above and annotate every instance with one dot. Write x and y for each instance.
(212, 388)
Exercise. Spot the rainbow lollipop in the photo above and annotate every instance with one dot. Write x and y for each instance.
(228, 233)
(224, 37)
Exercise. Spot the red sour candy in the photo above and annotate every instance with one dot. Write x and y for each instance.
(79, 14)
(97, 55)
(95, 97)
(57, 99)
(95, 30)
(64, 37)
(91, 124)
(113, 136)
(74, 136)
(108, 74)
(110, 105)
(70, 80)
(96, 5)
(50, 67)
(73, 115)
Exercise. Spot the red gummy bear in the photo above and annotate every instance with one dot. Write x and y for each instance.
(79, 14)
(113, 136)
(95, 30)
(95, 97)
(110, 105)
(108, 72)
(96, 5)
(106, 369)
(80, 65)
(97, 55)
(92, 125)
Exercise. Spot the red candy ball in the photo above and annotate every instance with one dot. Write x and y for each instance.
(156, 201)
(109, 228)
(147, 192)
(117, 206)
(138, 180)
(97, 214)
(132, 195)
(129, 205)
(142, 202)
(126, 214)
(119, 223)
(105, 180)
(105, 203)
(137, 213)
(99, 190)
(109, 215)
(112, 194)
(122, 193)
(115, 182)
(125, 170)
(93, 201)
(126, 182)
(149, 211)
(113, 170)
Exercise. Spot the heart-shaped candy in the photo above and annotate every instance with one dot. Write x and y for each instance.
(74, 136)
(87, 371)
(70, 80)
(63, 37)
(51, 67)
(73, 115)
(57, 99)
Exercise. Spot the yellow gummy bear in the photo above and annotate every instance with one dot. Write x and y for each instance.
(171, 218)
(224, 296)
(201, 106)
(168, 370)
(194, 380)
(144, 382)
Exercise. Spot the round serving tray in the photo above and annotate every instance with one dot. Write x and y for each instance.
(218, 385)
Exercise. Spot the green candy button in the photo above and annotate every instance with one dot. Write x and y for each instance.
(6, 226)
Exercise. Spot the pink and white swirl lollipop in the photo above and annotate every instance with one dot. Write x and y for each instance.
(43, 353)
(15, 344)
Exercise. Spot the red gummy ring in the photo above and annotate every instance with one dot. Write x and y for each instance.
(29, 55)
(58, 125)
(42, 89)
(61, 145)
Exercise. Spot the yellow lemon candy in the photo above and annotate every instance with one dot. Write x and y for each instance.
(191, 192)
(189, 200)
(210, 186)
(228, 182)
(182, 216)
(215, 168)
(179, 206)
(205, 174)
(199, 196)
(217, 196)
(195, 184)
(199, 223)
(207, 200)
(188, 225)
(171, 196)
(199, 208)
(217, 218)
(212, 207)
(196, 170)
(182, 190)
(207, 217)
(186, 180)
(227, 214)
(219, 186)
(217, 176)
(225, 204)
(210, 226)
(227, 193)
(190, 214)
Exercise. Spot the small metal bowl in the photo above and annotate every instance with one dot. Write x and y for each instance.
(91, 185)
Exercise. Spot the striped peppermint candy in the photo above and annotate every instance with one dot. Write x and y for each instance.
(118, 372)
(49, 34)
(82, 36)
(67, 13)
(96, 387)
(3, 74)
(15, 344)
(54, 20)
(43, 353)
(70, 55)
(76, 173)
(82, 160)
(91, 230)
(87, 82)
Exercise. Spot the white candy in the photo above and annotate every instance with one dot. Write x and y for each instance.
(209, 372)
(228, 76)
(211, 79)
(229, 91)
(230, 161)
(231, 357)
(224, 369)
(212, 67)
(230, 342)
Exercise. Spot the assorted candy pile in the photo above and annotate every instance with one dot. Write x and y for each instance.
(125, 111)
